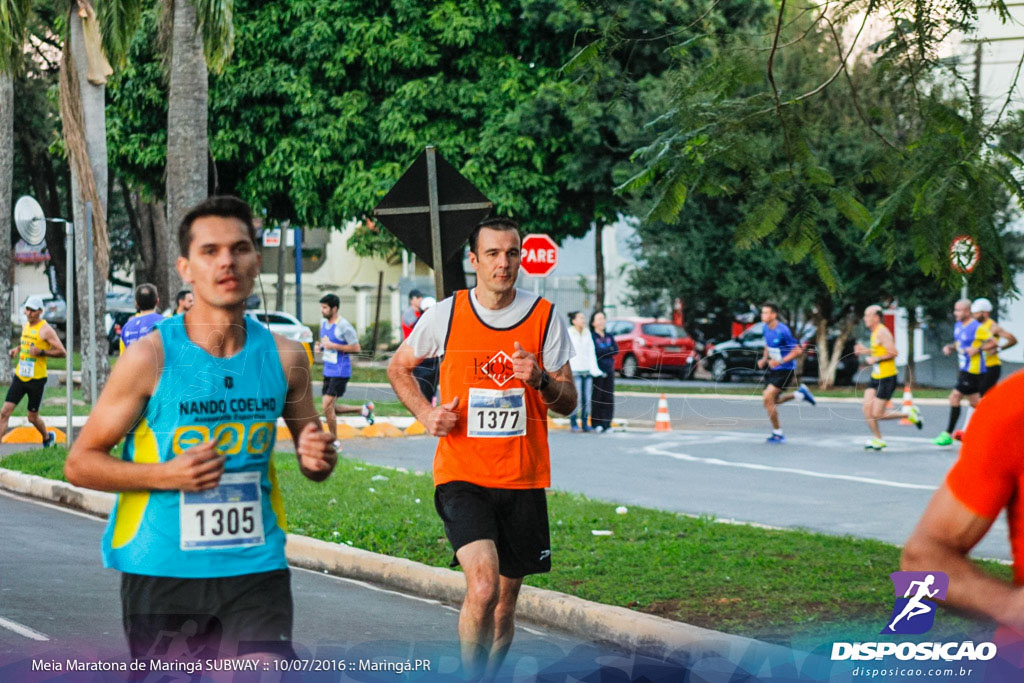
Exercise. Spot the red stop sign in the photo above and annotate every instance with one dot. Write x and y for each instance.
(540, 255)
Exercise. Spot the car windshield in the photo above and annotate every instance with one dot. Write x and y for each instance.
(274, 319)
(755, 333)
(663, 330)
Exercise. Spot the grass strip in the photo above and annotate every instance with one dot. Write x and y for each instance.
(784, 586)
(380, 408)
(654, 386)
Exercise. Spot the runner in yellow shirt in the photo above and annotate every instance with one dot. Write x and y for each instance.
(39, 341)
(882, 357)
(982, 311)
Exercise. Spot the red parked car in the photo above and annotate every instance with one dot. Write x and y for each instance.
(648, 344)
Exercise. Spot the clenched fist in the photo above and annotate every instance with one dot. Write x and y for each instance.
(195, 469)
(317, 455)
(443, 418)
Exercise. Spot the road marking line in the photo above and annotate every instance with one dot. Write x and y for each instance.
(659, 449)
(429, 601)
(22, 630)
(52, 506)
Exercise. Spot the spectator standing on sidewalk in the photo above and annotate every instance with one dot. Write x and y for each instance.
(584, 369)
(602, 401)
(412, 313)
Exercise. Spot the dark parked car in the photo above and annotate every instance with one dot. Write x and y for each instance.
(115, 320)
(647, 344)
(737, 358)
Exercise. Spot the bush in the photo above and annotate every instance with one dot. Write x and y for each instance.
(383, 339)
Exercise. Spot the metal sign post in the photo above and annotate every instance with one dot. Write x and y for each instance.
(298, 272)
(90, 279)
(435, 221)
(432, 209)
(69, 315)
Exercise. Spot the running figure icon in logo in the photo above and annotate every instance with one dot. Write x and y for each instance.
(918, 589)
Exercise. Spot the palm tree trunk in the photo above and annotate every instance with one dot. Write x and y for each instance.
(6, 181)
(94, 131)
(187, 144)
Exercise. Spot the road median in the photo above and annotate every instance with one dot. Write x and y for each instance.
(616, 626)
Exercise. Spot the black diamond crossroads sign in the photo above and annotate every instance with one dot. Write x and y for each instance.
(432, 209)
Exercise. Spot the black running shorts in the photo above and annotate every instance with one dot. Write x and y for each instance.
(167, 617)
(990, 378)
(968, 384)
(335, 386)
(515, 519)
(778, 378)
(33, 388)
(884, 388)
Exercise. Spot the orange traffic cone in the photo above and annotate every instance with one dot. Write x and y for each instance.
(908, 403)
(662, 422)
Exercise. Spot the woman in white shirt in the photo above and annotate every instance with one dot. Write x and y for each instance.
(584, 369)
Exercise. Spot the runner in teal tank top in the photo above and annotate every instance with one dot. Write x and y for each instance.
(234, 402)
(198, 529)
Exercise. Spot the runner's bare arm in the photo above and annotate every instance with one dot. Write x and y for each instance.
(1011, 339)
(796, 351)
(560, 394)
(119, 407)
(560, 391)
(314, 447)
(947, 532)
(346, 348)
(56, 349)
(405, 385)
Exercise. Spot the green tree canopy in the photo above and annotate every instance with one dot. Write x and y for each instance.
(324, 104)
(753, 119)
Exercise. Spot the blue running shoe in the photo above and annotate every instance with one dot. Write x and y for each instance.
(808, 396)
(775, 438)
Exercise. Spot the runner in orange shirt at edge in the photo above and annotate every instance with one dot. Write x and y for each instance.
(504, 364)
(986, 479)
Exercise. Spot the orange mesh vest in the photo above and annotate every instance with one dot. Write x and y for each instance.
(477, 367)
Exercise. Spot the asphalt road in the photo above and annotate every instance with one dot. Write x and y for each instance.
(715, 462)
(56, 601)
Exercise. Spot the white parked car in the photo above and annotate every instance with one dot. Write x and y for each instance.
(284, 324)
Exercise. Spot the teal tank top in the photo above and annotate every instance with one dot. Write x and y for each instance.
(237, 528)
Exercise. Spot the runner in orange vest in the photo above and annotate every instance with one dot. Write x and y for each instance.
(504, 364)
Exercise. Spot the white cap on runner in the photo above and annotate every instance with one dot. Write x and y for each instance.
(981, 305)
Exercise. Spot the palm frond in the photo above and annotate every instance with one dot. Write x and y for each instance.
(13, 23)
(217, 23)
(119, 20)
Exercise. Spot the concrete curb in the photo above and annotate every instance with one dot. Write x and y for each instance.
(617, 626)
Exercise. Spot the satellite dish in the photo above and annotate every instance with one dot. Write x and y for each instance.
(30, 220)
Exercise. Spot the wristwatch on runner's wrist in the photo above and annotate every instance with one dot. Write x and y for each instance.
(545, 380)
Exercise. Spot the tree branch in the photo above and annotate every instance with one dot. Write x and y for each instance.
(833, 77)
(771, 76)
(853, 88)
(1009, 96)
